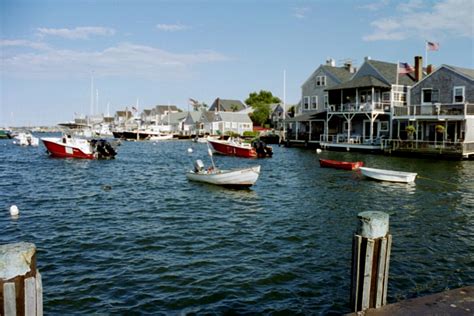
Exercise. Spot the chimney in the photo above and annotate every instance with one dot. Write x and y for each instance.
(366, 58)
(331, 62)
(418, 68)
(430, 69)
(348, 66)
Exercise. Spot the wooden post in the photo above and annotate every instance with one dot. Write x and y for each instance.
(21, 291)
(371, 247)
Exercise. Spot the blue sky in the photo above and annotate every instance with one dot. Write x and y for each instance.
(162, 52)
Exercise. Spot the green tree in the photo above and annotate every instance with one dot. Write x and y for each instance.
(263, 97)
(260, 102)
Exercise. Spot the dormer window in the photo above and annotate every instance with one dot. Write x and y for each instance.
(430, 96)
(458, 94)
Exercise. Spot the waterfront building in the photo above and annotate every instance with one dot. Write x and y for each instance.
(308, 123)
(441, 113)
(235, 122)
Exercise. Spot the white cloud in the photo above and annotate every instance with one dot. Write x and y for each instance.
(446, 18)
(124, 59)
(375, 6)
(301, 12)
(83, 32)
(171, 27)
(24, 43)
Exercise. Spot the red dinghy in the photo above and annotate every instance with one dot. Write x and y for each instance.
(345, 165)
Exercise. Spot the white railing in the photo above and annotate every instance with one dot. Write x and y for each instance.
(360, 107)
(435, 110)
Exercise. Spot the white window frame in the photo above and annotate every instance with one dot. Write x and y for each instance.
(326, 100)
(320, 81)
(463, 89)
(383, 126)
(314, 102)
(306, 103)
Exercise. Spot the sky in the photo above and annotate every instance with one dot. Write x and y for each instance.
(147, 53)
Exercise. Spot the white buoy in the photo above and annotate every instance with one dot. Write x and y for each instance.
(318, 151)
(190, 150)
(14, 211)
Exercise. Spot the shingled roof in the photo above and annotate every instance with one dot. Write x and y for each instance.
(227, 105)
(341, 73)
(463, 71)
(389, 72)
(360, 82)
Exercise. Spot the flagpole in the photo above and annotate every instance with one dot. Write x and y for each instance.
(426, 53)
(398, 65)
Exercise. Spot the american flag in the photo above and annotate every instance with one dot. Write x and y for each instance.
(405, 68)
(432, 45)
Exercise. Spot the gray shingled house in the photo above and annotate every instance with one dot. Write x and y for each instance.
(441, 111)
(359, 113)
(308, 123)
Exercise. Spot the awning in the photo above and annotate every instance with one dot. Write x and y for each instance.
(307, 116)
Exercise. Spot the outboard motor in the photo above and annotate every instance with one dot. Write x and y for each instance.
(198, 166)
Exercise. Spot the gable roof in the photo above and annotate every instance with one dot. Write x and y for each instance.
(226, 105)
(389, 72)
(466, 72)
(340, 74)
(233, 117)
(360, 82)
(162, 109)
(174, 118)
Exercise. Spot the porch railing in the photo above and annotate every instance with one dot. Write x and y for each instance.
(429, 146)
(435, 110)
(360, 107)
(342, 138)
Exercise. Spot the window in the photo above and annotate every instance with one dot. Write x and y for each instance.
(458, 95)
(386, 97)
(306, 103)
(326, 101)
(429, 96)
(320, 80)
(384, 126)
(314, 101)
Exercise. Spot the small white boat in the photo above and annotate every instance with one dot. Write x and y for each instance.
(388, 175)
(237, 178)
(26, 139)
(161, 137)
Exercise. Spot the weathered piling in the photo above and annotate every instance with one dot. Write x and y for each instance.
(370, 261)
(21, 290)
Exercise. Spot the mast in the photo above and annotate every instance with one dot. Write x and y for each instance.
(92, 94)
(284, 101)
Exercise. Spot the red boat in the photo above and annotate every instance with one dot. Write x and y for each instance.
(346, 165)
(233, 147)
(71, 147)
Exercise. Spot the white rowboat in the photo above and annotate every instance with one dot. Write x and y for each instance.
(239, 178)
(388, 175)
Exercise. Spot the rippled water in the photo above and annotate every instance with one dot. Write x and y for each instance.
(132, 234)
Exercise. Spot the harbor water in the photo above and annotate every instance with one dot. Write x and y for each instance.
(133, 235)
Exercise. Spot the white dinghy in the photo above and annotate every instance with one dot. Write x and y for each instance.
(236, 178)
(388, 175)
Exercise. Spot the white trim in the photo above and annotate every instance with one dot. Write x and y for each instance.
(306, 100)
(463, 94)
(314, 105)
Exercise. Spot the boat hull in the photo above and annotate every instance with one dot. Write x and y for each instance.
(237, 178)
(388, 175)
(344, 165)
(230, 149)
(56, 149)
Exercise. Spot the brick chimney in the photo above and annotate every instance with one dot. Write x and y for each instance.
(430, 69)
(418, 68)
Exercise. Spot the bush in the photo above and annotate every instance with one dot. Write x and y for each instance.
(251, 134)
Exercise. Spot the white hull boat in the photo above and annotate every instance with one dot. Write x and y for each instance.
(388, 175)
(238, 178)
(161, 137)
(26, 139)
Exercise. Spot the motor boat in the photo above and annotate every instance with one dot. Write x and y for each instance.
(69, 146)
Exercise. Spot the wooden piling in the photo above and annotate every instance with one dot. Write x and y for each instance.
(21, 291)
(370, 261)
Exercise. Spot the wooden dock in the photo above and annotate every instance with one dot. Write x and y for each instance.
(454, 302)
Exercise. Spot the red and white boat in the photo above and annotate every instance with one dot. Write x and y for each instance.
(72, 147)
(232, 147)
(345, 165)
